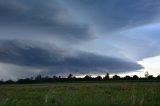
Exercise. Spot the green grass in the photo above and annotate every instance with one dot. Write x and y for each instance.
(81, 94)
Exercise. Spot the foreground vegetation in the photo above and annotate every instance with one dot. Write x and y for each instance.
(81, 94)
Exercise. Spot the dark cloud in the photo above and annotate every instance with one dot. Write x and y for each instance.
(47, 16)
(16, 52)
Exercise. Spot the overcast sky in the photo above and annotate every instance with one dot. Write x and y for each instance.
(58, 37)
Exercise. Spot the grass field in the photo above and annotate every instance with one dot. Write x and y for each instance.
(81, 94)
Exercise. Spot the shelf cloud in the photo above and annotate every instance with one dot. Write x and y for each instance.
(77, 36)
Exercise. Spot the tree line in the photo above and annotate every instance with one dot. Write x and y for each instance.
(71, 78)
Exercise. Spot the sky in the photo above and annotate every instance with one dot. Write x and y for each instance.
(58, 37)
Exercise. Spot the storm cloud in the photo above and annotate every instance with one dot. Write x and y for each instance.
(48, 16)
(77, 36)
(22, 54)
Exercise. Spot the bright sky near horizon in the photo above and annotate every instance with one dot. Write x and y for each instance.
(58, 37)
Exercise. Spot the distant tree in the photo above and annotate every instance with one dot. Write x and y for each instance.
(70, 76)
(158, 77)
(9, 81)
(106, 77)
(146, 74)
(127, 77)
(31, 78)
(87, 77)
(54, 77)
(25, 81)
(1, 81)
(135, 77)
(99, 78)
(46, 79)
(151, 77)
(38, 78)
(116, 77)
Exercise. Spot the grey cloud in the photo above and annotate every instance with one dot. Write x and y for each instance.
(14, 72)
(113, 15)
(22, 54)
(48, 16)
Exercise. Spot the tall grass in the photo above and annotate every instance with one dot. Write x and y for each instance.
(81, 94)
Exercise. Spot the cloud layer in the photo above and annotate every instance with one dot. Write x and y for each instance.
(39, 15)
(115, 15)
(78, 36)
(22, 54)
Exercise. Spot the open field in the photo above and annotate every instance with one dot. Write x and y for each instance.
(81, 94)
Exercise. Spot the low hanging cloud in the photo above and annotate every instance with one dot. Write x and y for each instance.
(58, 61)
